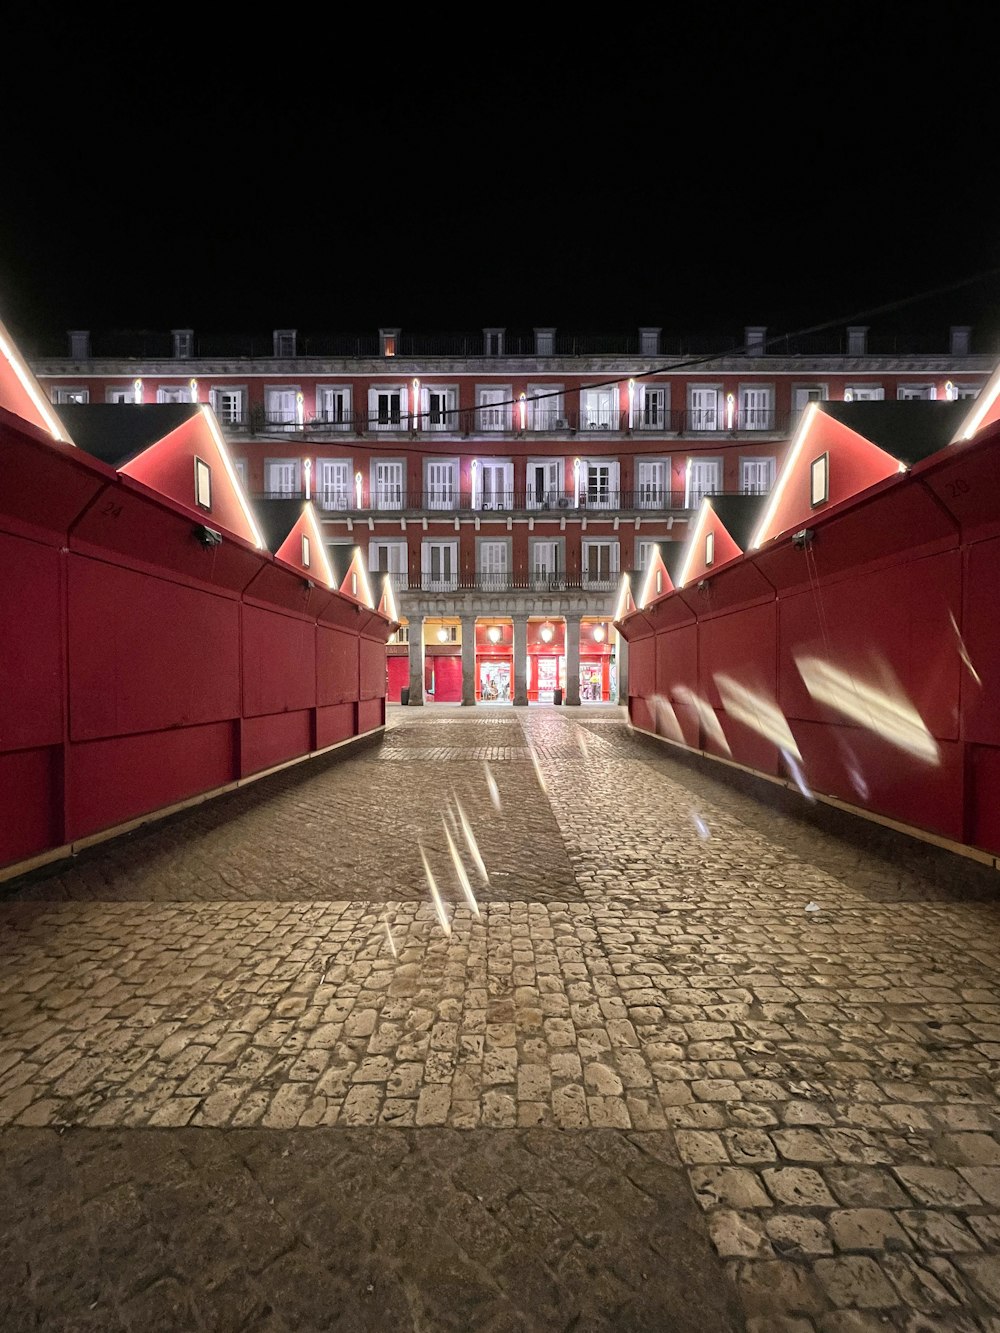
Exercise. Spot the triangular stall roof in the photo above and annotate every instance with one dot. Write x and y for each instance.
(985, 411)
(176, 450)
(22, 395)
(292, 533)
(722, 532)
(842, 449)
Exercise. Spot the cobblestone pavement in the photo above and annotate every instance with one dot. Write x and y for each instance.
(693, 1099)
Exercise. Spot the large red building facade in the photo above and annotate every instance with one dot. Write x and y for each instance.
(506, 483)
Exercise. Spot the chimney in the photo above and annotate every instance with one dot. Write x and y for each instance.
(754, 339)
(857, 339)
(79, 344)
(545, 342)
(284, 342)
(960, 335)
(183, 343)
(493, 342)
(649, 342)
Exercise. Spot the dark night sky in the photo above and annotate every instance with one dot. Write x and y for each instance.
(697, 173)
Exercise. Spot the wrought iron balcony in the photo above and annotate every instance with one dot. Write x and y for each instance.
(492, 582)
(591, 500)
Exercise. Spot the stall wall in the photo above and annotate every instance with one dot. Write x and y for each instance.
(138, 672)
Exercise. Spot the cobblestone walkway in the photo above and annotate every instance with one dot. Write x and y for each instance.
(692, 1098)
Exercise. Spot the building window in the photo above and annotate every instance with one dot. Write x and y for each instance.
(703, 407)
(599, 408)
(643, 554)
(305, 550)
(390, 484)
(333, 483)
(389, 558)
(545, 407)
(965, 391)
(333, 405)
(121, 395)
(496, 485)
(227, 405)
(280, 406)
(819, 480)
(652, 408)
(864, 393)
(907, 392)
(547, 565)
(545, 484)
(172, 393)
(600, 564)
(704, 477)
(281, 476)
(438, 408)
(387, 406)
(202, 484)
(652, 491)
(439, 566)
(709, 549)
(442, 484)
(756, 475)
(756, 407)
(284, 342)
(493, 564)
(804, 394)
(183, 342)
(601, 488)
(402, 635)
(494, 407)
(240, 464)
(390, 341)
(72, 395)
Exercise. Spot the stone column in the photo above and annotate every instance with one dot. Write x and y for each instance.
(621, 657)
(416, 660)
(468, 660)
(520, 661)
(572, 660)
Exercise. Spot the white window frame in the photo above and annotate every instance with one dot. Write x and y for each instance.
(331, 491)
(545, 414)
(755, 416)
(614, 552)
(819, 480)
(272, 490)
(606, 498)
(966, 391)
(396, 559)
(493, 414)
(596, 416)
(378, 502)
(660, 415)
(754, 461)
(689, 467)
(448, 420)
(916, 392)
(864, 393)
(643, 551)
(649, 494)
(216, 393)
(173, 393)
(438, 492)
(543, 577)
(705, 418)
(202, 484)
(390, 424)
(325, 414)
(284, 418)
(242, 471)
(822, 389)
(119, 394)
(443, 582)
(554, 486)
(64, 393)
(500, 577)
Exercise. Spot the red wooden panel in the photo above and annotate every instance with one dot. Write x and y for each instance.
(984, 797)
(279, 663)
(445, 673)
(980, 625)
(862, 768)
(372, 669)
(677, 660)
(966, 480)
(31, 656)
(45, 484)
(147, 653)
(111, 781)
(277, 585)
(399, 677)
(741, 646)
(29, 802)
(371, 714)
(334, 724)
(642, 667)
(889, 629)
(640, 713)
(742, 584)
(267, 741)
(337, 665)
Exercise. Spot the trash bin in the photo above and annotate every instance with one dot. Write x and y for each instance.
(557, 696)
(404, 695)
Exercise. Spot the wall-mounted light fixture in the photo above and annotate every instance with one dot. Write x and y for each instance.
(415, 405)
(631, 403)
(475, 470)
(598, 633)
(300, 409)
(307, 468)
(730, 411)
(137, 391)
(522, 407)
(193, 387)
(547, 632)
(444, 634)
(494, 634)
(576, 481)
(358, 483)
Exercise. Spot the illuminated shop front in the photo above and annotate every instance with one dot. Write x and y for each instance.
(546, 660)
(596, 662)
(442, 661)
(494, 661)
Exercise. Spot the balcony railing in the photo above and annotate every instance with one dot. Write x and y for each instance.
(505, 419)
(483, 581)
(441, 499)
